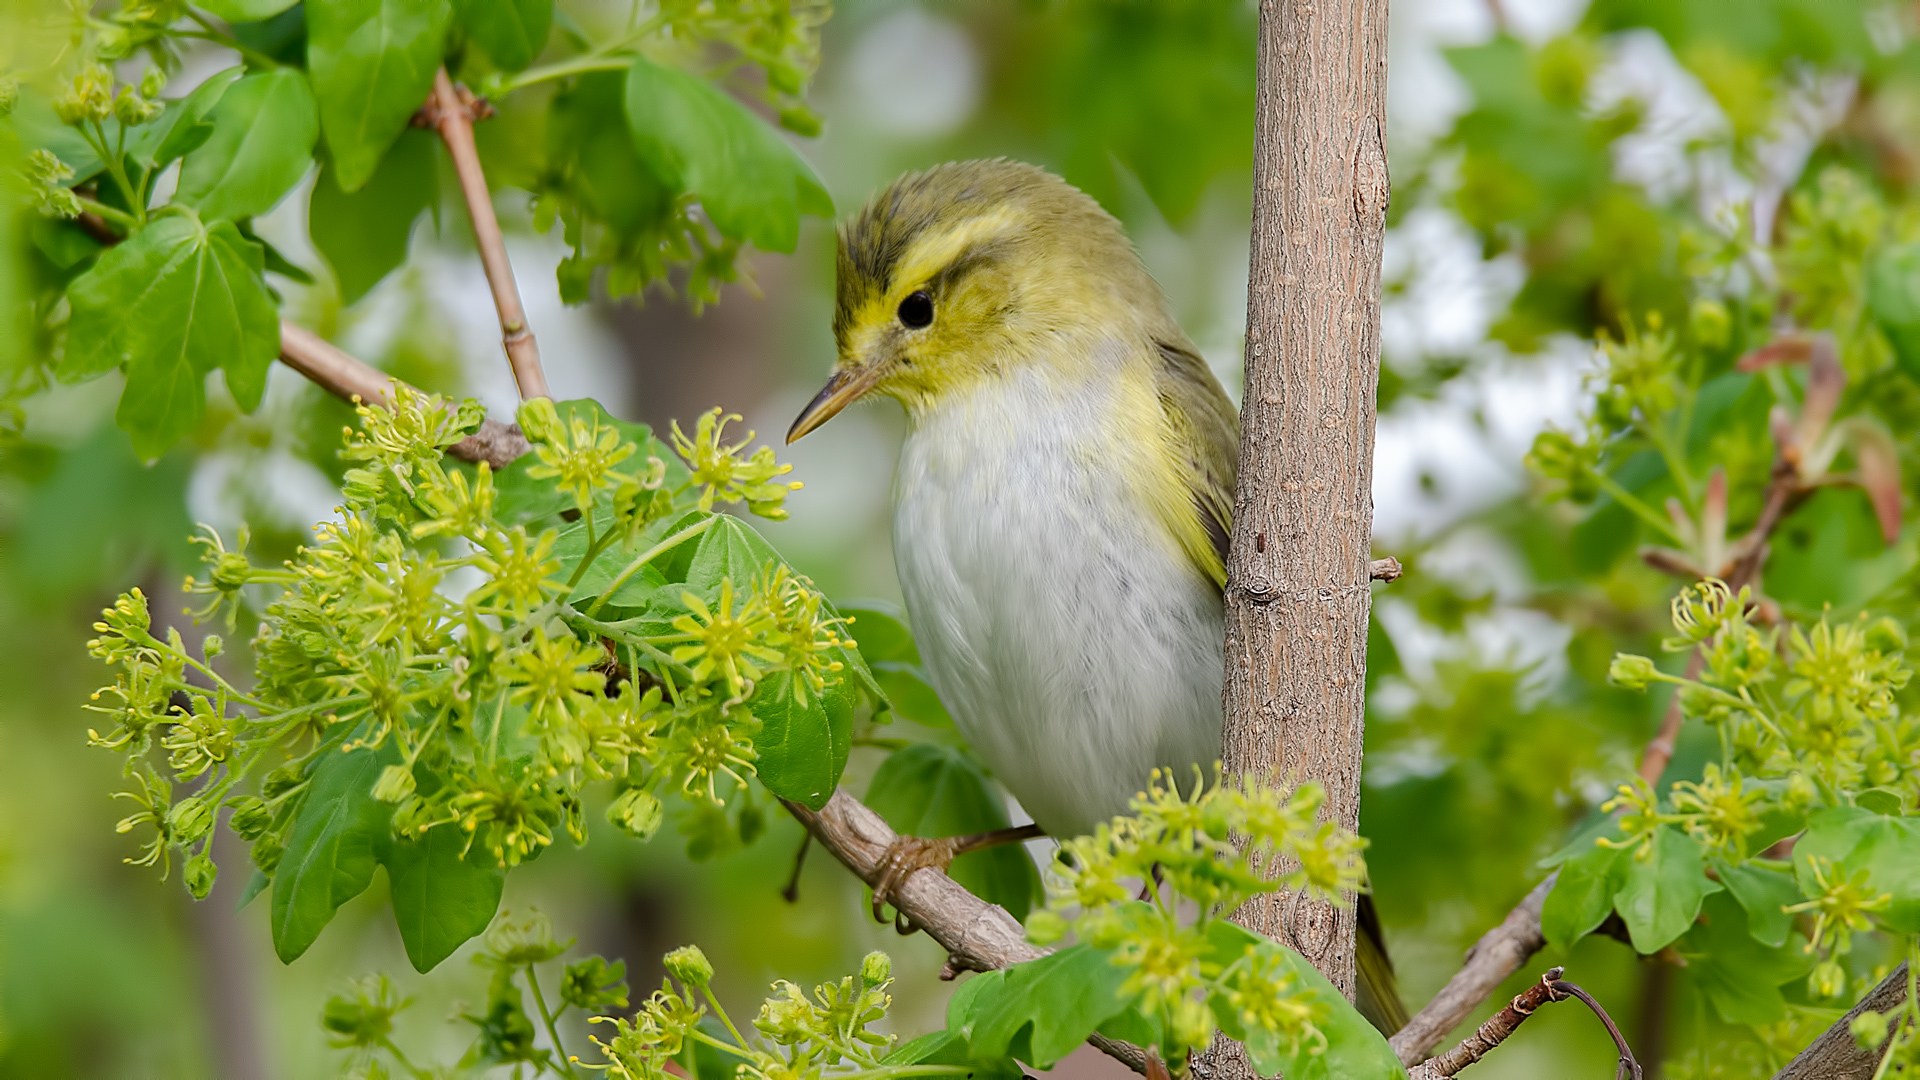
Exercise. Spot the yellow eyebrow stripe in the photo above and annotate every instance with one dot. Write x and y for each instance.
(933, 253)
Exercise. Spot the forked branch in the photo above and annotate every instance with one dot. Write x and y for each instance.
(978, 936)
(1495, 1031)
(333, 370)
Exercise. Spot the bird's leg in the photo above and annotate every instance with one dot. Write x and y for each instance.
(909, 853)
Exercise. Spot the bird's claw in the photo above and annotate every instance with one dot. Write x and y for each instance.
(904, 856)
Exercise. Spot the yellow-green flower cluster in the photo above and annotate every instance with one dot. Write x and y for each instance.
(819, 1037)
(723, 476)
(1148, 886)
(426, 623)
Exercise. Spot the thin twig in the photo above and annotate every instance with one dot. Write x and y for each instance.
(451, 111)
(1498, 954)
(978, 936)
(333, 370)
(1504, 1023)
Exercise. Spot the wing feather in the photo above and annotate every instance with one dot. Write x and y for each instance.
(1205, 427)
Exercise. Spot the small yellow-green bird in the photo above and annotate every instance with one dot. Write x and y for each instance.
(1062, 501)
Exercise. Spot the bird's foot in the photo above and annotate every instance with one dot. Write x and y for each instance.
(910, 853)
(904, 856)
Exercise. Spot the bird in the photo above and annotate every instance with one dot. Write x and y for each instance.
(1062, 500)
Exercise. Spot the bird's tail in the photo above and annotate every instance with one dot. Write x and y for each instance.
(1375, 994)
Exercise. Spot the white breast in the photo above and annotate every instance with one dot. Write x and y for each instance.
(1075, 645)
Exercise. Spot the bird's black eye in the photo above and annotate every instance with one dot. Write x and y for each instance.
(916, 311)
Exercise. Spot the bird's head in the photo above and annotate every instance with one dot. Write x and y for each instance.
(967, 271)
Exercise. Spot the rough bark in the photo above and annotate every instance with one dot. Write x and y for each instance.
(1298, 572)
(1834, 1055)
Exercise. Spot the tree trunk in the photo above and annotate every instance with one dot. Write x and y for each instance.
(1298, 595)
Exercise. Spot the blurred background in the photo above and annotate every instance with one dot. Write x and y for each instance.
(1541, 152)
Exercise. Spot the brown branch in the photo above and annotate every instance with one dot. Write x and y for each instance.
(1834, 1055)
(333, 370)
(1297, 612)
(1504, 1023)
(978, 936)
(451, 112)
(1387, 570)
(1494, 1031)
(1498, 954)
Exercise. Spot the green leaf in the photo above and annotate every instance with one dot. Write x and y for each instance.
(1893, 295)
(185, 123)
(372, 63)
(694, 137)
(238, 11)
(802, 746)
(511, 31)
(1355, 1048)
(1741, 976)
(440, 899)
(948, 1048)
(881, 630)
(729, 551)
(363, 235)
(264, 129)
(171, 305)
(910, 695)
(1852, 839)
(643, 592)
(1764, 894)
(1583, 896)
(1041, 1010)
(929, 790)
(1661, 895)
(257, 883)
(330, 857)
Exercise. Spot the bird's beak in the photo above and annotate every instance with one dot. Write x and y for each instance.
(842, 390)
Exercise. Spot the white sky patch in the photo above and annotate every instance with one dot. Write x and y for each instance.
(1677, 113)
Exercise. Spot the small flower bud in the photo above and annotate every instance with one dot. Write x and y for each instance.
(152, 83)
(1631, 672)
(131, 109)
(801, 121)
(1711, 323)
(1869, 1030)
(189, 820)
(199, 875)
(1829, 980)
(689, 965)
(90, 98)
(875, 970)
(213, 645)
(251, 819)
(636, 813)
(1192, 1022)
(1044, 927)
(266, 854)
(540, 421)
(395, 784)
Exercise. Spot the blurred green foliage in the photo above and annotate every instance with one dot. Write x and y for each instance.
(1483, 760)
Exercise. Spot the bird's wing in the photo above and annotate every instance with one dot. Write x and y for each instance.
(1206, 429)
